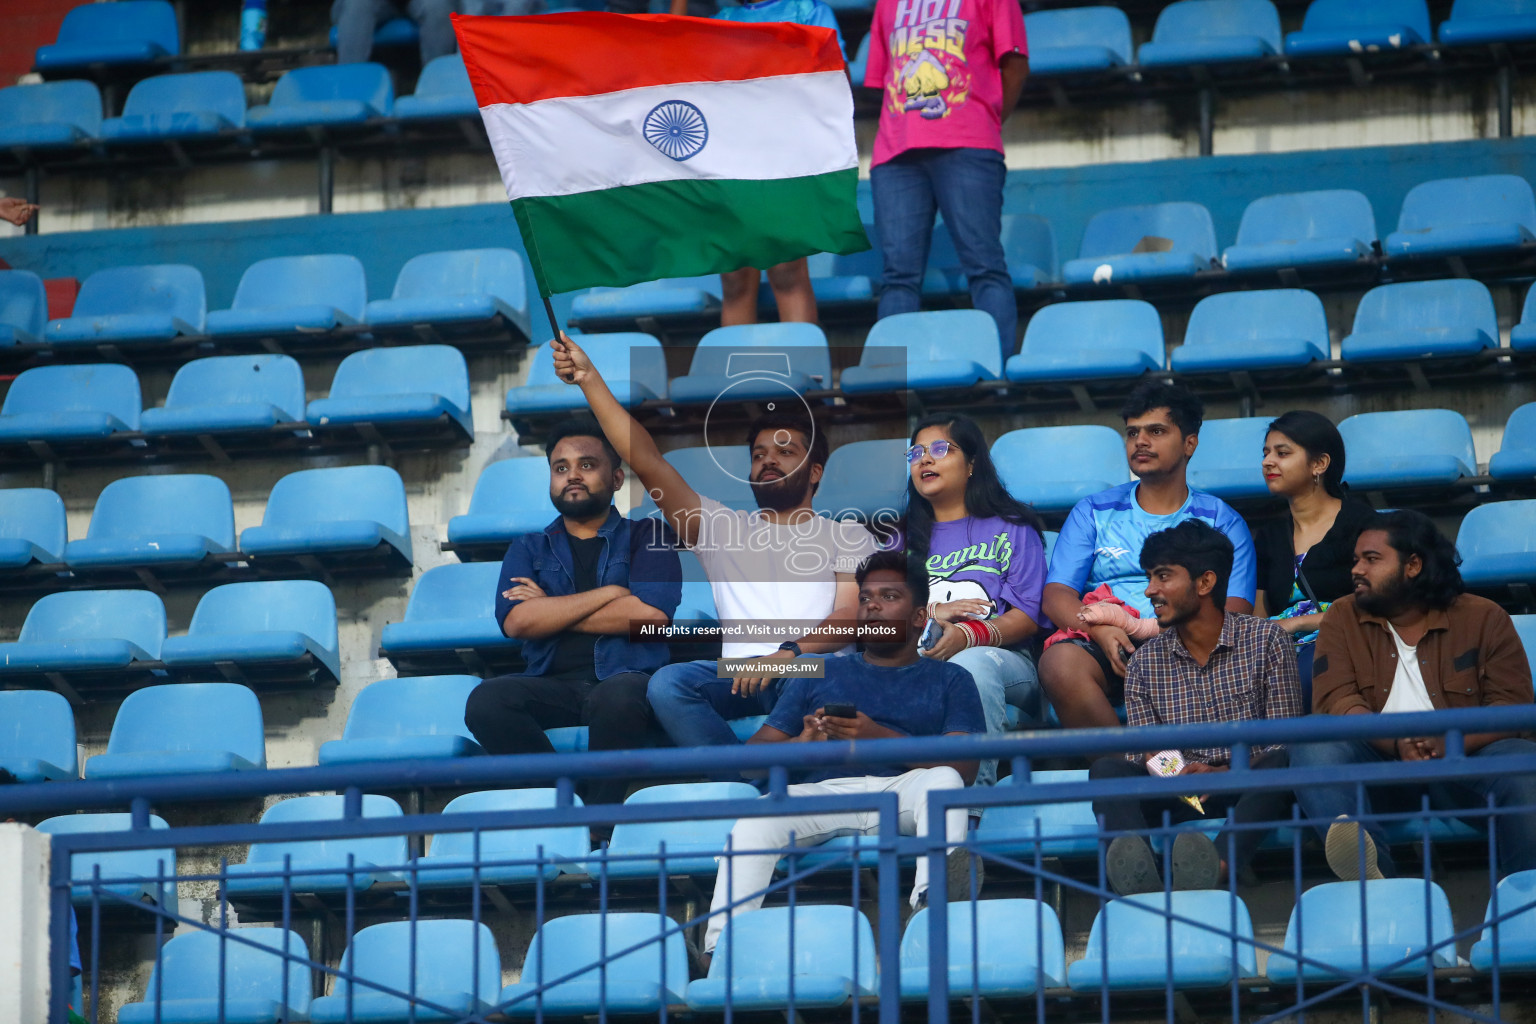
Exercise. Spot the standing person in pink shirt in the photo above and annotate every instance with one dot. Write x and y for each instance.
(950, 71)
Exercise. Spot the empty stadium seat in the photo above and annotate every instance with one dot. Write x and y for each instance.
(951, 348)
(1495, 543)
(1422, 320)
(866, 478)
(134, 304)
(714, 472)
(33, 528)
(125, 32)
(23, 306)
(179, 107)
(1464, 217)
(693, 844)
(1260, 330)
(1065, 829)
(335, 516)
(405, 719)
(1525, 626)
(86, 631)
(698, 600)
(261, 630)
(70, 403)
(138, 873)
(678, 296)
(1516, 457)
(286, 294)
(1128, 944)
(1077, 40)
(390, 391)
(643, 981)
(49, 115)
(1478, 22)
(1411, 448)
(1395, 908)
(450, 964)
(320, 865)
(1072, 341)
(834, 960)
(1016, 950)
(751, 362)
(1326, 228)
(511, 856)
(37, 736)
(165, 730)
(1053, 468)
(1227, 461)
(1522, 336)
(336, 94)
(450, 623)
(633, 366)
(511, 497)
(200, 976)
(1516, 927)
(443, 90)
(1212, 32)
(1345, 28)
(456, 289)
(1029, 246)
(154, 522)
(230, 395)
(1139, 244)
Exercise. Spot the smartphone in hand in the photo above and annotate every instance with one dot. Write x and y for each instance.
(840, 711)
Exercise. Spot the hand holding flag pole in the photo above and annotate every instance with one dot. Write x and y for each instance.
(571, 364)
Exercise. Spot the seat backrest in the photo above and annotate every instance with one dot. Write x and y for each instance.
(38, 724)
(1229, 444)
(1496, 529)
(1370, 435)
(450, 956)
(1324, 15)
(181, 503)
(717, 472)
(191, 967)
(826, 938)
(569, 843)
(867, 479)
(1329, 915)
(406, 369)
(73, 101)
(366, 83)
(444, 76)
(388, 852)
(619, 356)
(1051, 454)
(268, 379)
(108, 387)
(190, 716)
(459, 592)
(136, 616)
(943, 334)
(689, 834)
(1425, 305)
(168, 289)
(1462, 10)
(265, 606)
(1519, 431)
(1136, 926)
(1515, 891)
(570, 943)
(340, 494)
(496, 272)
(150, 20)
(159, 863)
(196, 92)
(1116, 232)
(510, 484)
(1484, 199)
(1080, 26)
(1231, 319)
(334, 280)
(1208, 19)
(23, 299)
(1030, 241)
(804, 345)
(412, 706)
(1104, 324)
(35, 515)
(1294, 216)
(1006, 933)
(1525, 626)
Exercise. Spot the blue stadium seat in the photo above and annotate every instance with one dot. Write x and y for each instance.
(333, 94)
(1395, 909)
(1516, 457)
(134, 304)
(456, 288)
(643, 981)
(1477, 22)
(70, 403)
(1128, 943)
(1516, 927)
(750, 362)
(338, 514)
(1411, 448)
(179, 107)
(1522, 336)
(1525, 626)
(443, 90)
(49, 115)
(405, 719)
(138, 872)
(836, 278)
(394, 32)
(1109, 254)
(1227, 462)
(198, 977)
(1327, 228)
(125, 32)
(633, 365)
(1053, 468)
(285, 294)
(156, 522)
(1262, 330)
(1072, 341)
(692, 844)
(1495, 543)
(230, 395)
(1008, 959)
(866, 478)
(1212, 32)
(165, 730)
(674, 296)
(950, 348)
(455, 963)
(450, 622)
(260, 629)
(1464, 217)
(511, 497)
(698, 600)
(1029, 246)
(568, 739)
(37, 736)
(524, 854)
(834, 960)
(860, 60)
(23, 305)
(715, 472)
(390, 390)
(320, 865)
(1065, 829)
(82, 631)
(1345, 28)
(1077, 40)
(33, 528)
(1422, 320)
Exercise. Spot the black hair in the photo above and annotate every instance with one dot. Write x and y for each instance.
(788, 419)
(580, 426)
(1413, 533)
(985, 495)
(1316, 435)
(1183, 405)
(1195, 546)
(909, 566)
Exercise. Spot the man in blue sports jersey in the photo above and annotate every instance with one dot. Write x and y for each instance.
(1100, 545)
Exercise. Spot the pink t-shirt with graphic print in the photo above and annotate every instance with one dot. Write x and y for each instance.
(936, 64)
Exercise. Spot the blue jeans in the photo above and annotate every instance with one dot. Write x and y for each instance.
(966, 186)
(1002, 677)
(1515, 832)
(693, 706)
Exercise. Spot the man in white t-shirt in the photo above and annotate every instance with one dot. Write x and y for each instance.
(781, 564)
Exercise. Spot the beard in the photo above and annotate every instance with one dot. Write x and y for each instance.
(784, 493)
(1386, 599)
(581, 507)
(1178, 614)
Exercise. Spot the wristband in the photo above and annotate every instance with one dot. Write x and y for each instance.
(994, 633)
(793, 646)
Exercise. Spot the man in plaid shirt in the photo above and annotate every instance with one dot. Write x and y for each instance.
(1207, 665)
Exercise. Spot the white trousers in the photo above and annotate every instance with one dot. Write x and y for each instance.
(749, 875)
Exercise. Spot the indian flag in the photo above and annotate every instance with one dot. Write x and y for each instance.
(637, 147)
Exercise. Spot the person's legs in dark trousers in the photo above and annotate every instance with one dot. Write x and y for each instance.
(618, 717)
(508, 714)
(968, 184)
(904, 211)
(1326, 804)
(435, 27)
(1515, 833)
(355, 21)
(1129, 863)
(1254, 807)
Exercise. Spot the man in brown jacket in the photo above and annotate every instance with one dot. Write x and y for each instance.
(1411, 639)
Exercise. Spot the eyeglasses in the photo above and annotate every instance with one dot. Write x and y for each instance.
(937, 449)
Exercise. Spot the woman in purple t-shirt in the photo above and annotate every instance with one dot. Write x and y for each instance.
(986, 567)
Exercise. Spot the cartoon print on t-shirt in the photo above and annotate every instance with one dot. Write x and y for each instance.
(927, 44)
(992, 557)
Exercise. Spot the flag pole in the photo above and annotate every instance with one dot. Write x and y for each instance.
(549, 311)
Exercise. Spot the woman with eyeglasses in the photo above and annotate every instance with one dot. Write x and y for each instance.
(986, 567)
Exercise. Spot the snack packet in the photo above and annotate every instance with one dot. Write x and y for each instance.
(1168, 763)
